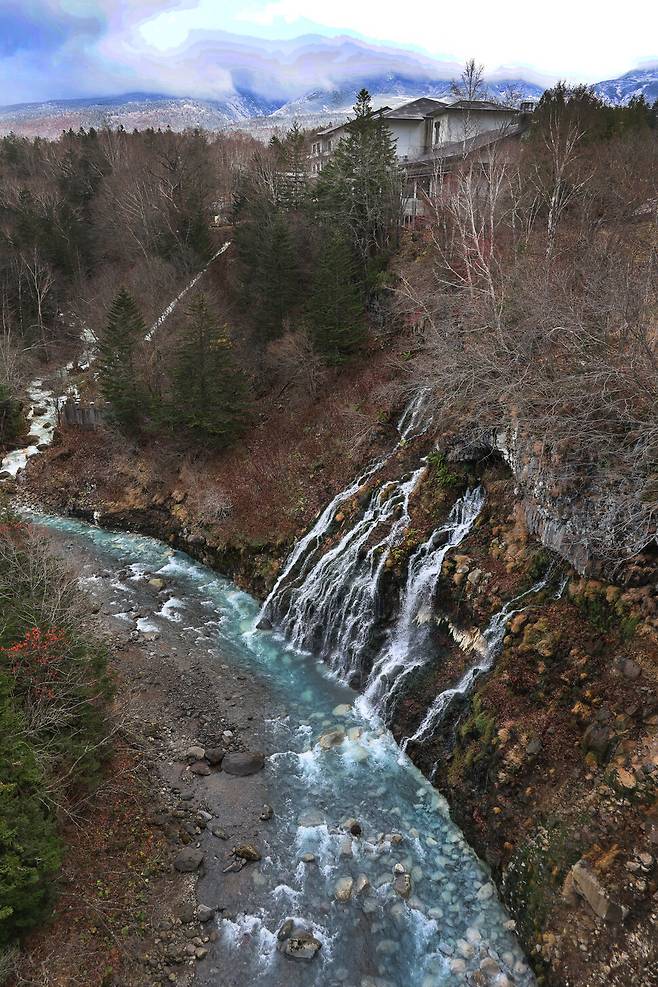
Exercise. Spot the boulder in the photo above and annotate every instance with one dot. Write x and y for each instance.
(588, 887)
(205, 913)
(402, 885)
(302, 946)
(194, 753)
(332, 739)
(266, 813)
(214, 756)
(343, 889)
(247, 851)
(188, 860)
(264, 624)
(243, 763)
(630, 669)
(199, 768)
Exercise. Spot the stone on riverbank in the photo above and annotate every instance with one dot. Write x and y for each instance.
(188, 860)
(243, 763)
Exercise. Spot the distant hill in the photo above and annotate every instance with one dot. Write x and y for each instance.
(641, 82)
(262, 117)
(132, 111)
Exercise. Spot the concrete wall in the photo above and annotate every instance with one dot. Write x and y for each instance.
(409, 136)
(461, 126)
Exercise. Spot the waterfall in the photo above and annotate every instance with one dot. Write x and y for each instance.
(407, 646)
(334, 609)
(411, 424)
(493, 638)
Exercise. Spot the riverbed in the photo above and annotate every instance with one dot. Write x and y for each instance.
(360, 855)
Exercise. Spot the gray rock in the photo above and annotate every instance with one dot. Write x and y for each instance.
(343, 889)
(302, 946)
(220, 833)
(266, 812)
(402, 885)
(194, 753)
(199, 768)
(588, 886)
(205, 913)
(186, 912)
(286, 930)
(188, 860)
(630, 669)
(243, 763)
(214, 755)
(264, 624)
(247, 851)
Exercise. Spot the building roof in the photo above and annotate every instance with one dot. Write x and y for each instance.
(380, 111)
(462, 105)
(417, 109)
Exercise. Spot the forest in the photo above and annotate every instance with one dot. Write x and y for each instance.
(525, 299)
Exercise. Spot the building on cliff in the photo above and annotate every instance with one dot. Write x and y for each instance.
(431, 136)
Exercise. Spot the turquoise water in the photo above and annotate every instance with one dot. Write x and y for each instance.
(450, 926)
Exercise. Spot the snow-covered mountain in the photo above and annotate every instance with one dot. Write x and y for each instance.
(132, 111)
(641, 82)
(262, 116)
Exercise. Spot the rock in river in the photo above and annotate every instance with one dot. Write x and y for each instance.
(243, 763)
(303, 946)
(343, 890)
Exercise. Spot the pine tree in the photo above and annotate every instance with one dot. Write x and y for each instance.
(119, 377)
(271, 274)
(360, 188)
(335, 308)
(210, 391)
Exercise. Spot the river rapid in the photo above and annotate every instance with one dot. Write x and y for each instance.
(418, 908)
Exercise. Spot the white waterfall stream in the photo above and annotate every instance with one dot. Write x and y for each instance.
(409, 426)
(493, 638)
(407, 645)
(334, 610)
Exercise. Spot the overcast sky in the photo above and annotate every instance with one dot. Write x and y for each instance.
(63, 48)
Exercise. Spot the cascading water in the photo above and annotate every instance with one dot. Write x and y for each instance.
(411, 424)
(493, 638)
(407, 645)
(334, 610)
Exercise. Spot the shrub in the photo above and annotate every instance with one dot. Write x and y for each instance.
(30, 849)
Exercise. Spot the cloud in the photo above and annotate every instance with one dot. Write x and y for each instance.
(52, 49)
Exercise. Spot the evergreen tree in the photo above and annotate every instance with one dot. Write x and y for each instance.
(30, 850)
(271, 276)
(360, 188)
(119, 377)
(335, 307)
(210, 391)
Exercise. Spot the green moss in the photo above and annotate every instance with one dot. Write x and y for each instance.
(442, 475)
(536, 873)
(475, 742)
(606, 617)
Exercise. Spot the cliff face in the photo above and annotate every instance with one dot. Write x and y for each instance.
(550, 760)
(591, 526)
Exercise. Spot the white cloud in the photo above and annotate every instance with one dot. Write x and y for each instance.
(578, 39)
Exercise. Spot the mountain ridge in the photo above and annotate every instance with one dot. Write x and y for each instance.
(248, 111)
